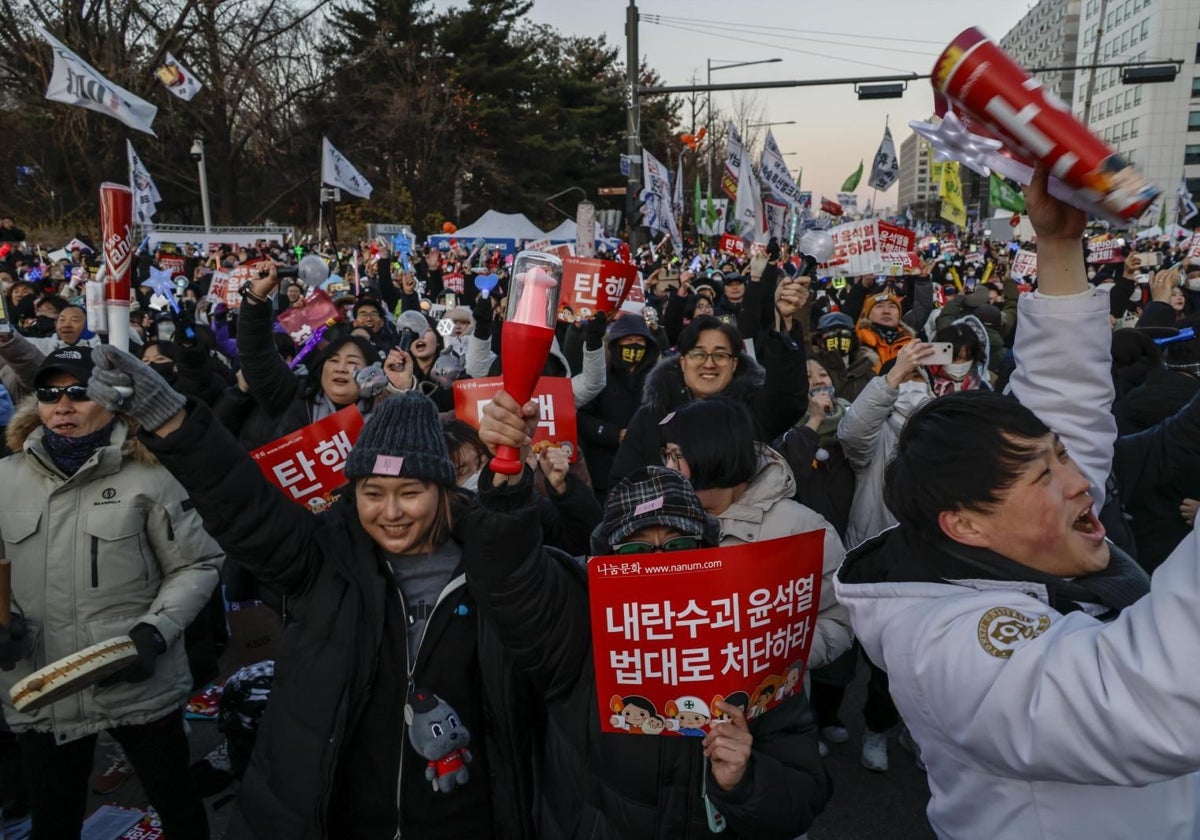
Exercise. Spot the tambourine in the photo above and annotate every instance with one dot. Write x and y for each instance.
(72, 674)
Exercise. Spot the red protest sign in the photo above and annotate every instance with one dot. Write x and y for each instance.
(556, 409)
(594, 285)
(856, 249)
(316, 310)
(1024, 265)
(238, 275)
(171, 262)
(307, 464)
(732, 245)
(1105, 249)
(454, 282)
(685, 630)
(896, 238)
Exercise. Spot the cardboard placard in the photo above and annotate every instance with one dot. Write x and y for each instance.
(898, 263)
(590, 286)
(255, 631)
(556, 409)
(307, 465)
(173, 263)
(894, 238)
(682, 630)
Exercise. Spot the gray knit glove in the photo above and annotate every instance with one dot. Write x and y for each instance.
(124, 385)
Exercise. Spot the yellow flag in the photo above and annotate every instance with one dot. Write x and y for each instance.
(954, 209)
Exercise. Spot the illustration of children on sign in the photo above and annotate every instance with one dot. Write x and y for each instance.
(688, 716)
(738, 699)
(635, 714)
(791, 681)
(763, 696)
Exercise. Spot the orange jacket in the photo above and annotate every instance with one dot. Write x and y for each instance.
(874, 342)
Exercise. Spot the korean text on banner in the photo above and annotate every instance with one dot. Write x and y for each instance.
(1105, 249)
(308, 464)
(686, 630)
(1024, 265)
(556, 409)
(896, 238)
(733, 163)
(1194, 249)
(594, 285)
(732, 245)
(858, 246)
(898, 263)
(238, 275)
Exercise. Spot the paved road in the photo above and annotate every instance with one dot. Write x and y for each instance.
(865, 805)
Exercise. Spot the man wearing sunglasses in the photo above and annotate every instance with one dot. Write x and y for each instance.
(103, 543)
(763, 777)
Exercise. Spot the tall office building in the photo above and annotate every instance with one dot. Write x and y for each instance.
(1155, 126)
(916, 185)
(1048, 36)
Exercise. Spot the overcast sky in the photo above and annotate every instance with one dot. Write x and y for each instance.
(833, 130)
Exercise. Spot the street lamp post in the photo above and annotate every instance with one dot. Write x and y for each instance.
(723, 65)
(198, 156)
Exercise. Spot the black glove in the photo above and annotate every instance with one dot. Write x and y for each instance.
(483, 318)
(593, 333)
(14, 645)
(121, 383)
(150, 645)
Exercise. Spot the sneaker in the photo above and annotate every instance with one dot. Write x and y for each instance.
(874, 751)
(822, 749)
(906, 741)
(835, 734)
(117, 773)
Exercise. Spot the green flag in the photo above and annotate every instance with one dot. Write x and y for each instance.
(799, 177)
(710, 214)
(851, 183)
(1162, 217)
(1001, 194)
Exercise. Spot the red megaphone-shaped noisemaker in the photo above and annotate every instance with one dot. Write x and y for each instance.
(528, 332)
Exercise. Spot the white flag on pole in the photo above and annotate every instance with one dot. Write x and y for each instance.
(733, 162)
(776, 176)
(145, 194)
(748, 210)
(885, 171)
(179, 80)
(75, 82)
(1187, 208)
(677, 194)
(336, 171)
(656, 199)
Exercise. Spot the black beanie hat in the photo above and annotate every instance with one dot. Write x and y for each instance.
(403, 438)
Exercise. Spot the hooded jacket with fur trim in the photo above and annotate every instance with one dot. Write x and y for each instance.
(94, 554)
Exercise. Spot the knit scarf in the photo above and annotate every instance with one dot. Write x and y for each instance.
(900, 555)
(1115, 587)
(71, 453)
(889, 334)
(827, 431)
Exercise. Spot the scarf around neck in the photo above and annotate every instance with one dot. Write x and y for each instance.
(1114, 587)
(71, 453)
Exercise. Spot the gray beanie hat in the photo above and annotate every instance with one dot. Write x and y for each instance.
(403, 438)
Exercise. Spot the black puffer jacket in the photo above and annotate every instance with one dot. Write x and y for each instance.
(776, 393)
(282, 401)
(599, 786)
(602, 419)
(329, 755)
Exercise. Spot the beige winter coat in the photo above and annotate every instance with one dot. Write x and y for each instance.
(766, 511)
(93, 555)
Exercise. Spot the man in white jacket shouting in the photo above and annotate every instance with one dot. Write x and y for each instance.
(1052, 690)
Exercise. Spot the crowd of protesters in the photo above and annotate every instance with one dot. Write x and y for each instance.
(997, 465)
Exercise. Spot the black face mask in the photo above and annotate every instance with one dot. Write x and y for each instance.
(44, 325)
(839, 341)
(164, 369)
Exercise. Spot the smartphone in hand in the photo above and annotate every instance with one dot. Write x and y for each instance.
(943, 354)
